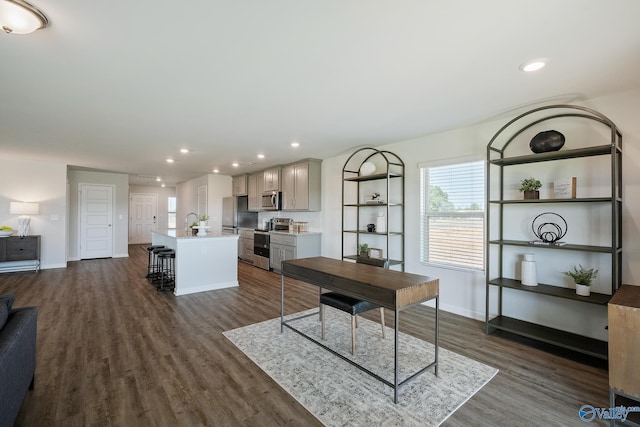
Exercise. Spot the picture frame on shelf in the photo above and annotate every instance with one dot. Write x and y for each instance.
(564, 188)
(375, 253)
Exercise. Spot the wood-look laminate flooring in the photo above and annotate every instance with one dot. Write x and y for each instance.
(113, 351)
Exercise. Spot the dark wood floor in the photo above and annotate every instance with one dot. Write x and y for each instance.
(113, 351)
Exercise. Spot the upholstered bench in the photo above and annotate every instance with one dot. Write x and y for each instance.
(350, 305)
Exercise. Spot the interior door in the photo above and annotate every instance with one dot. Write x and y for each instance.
(143, 217)
(96, 221)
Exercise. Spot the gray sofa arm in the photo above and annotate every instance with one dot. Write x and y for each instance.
(17, 361)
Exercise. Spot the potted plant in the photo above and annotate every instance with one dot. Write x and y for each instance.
(583, 278)
(203, 220)
(530, 186)
(363, 250)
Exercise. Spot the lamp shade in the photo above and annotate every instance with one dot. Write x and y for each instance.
(19, 17)
(24, 208)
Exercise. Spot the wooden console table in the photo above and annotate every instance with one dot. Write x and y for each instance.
(390, 289)
(19, 253)
(624, 346)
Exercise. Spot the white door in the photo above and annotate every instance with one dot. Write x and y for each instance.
(96, 221)
(143, 217)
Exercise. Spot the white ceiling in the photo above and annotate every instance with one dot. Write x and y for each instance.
(122, 85)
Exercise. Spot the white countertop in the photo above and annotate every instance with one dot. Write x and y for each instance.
(179, 233)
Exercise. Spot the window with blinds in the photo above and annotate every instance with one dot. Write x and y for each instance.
(452, 214)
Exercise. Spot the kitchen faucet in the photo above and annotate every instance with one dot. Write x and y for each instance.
(186, 220)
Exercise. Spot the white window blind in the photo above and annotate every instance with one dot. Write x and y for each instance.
(171, 214)
(452, 231)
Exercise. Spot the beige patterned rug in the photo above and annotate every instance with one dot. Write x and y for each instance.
(338, 393)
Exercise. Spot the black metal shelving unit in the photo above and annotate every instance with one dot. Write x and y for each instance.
(389, 174)
(497, 160)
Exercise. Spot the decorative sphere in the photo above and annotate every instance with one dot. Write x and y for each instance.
(549, 140)
(367, 168)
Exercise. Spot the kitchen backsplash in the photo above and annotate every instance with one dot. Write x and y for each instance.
(314, 219)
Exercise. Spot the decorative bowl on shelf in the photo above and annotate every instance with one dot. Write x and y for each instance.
(367, 168)
(6, 233)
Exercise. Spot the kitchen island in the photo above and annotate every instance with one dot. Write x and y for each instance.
(202, 263)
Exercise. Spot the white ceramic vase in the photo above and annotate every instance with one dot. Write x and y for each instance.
(529, 274)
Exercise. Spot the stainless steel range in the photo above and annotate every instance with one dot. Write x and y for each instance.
(261, 241)
(261, 249)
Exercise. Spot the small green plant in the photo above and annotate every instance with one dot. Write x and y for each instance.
(203, 217)
(530, 184)
(193, 224)
(582, 276)
(364, 247)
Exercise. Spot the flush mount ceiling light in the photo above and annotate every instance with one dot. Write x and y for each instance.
(19, 17)
(295, 144)
(534, 65)
(169, 160)
(184, 150)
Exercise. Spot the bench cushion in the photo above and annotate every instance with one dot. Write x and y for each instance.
(350, 305)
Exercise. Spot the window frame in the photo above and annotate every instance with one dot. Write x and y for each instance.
(423, 172)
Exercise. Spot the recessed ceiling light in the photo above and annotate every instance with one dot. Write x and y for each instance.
(162, 185)
(158, 179)
(184, 150)
(169, 160)
(216, 171)
(261, 156)
(235, 164)
(295, 144)
(533, 65)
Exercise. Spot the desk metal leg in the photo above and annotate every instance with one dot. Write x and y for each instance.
(281, 303)
(437, 332)
(612, 403)
(395, 358)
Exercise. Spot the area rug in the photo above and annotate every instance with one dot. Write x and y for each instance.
(339, 394)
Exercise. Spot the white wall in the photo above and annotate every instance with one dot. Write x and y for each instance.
(120, 209)
(218, 186)
(163, 194)
(463, 292)
(29, 180)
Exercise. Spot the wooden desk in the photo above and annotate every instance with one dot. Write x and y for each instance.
(390, 289)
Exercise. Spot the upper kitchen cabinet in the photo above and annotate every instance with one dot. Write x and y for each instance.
(301, 186)
(239, 185)
(271, 179)
(254, 191)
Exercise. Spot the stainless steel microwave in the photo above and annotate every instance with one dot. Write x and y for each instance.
(272, 201)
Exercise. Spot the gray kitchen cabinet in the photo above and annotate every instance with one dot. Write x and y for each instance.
(245, 245)
(301, 186)
(271, 179)
(19, 253)
(285, 246)
(253, 192)
(239, 185)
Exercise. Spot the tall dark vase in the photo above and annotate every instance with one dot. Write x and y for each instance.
(533, 194)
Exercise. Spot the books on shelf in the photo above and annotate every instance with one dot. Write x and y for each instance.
(543, 243)
(564, 188)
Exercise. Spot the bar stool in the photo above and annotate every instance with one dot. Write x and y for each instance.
(150, 256)
(166, 259)
(156, 267)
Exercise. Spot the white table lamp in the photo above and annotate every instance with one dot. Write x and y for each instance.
(24, 209)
